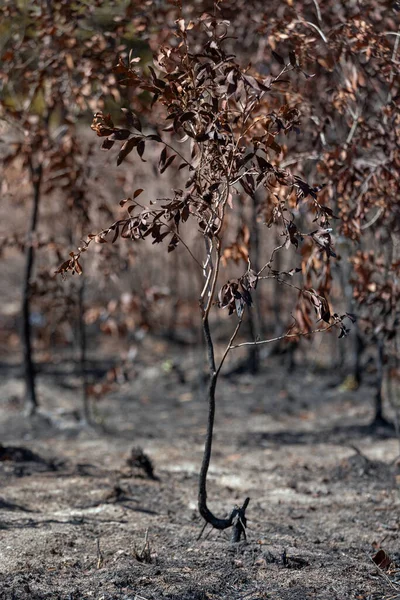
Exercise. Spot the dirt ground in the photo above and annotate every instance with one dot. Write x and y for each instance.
(77, 522)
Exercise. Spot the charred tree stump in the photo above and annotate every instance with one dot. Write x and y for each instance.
(239, 522)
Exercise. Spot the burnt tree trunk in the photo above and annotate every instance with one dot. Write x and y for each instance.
(174, 286)
(31, 402)
(379, 383)
(254, 355)
(82, 345)
(277, 301)
(379, 420)
(255, 320)
(358, 351)
(237, 518)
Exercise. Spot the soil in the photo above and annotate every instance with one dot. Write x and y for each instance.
(109, 512)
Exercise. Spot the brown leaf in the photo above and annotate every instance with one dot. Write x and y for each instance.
(120, 134)
(187, 116)
(107, 144)
(163, 158)
(382, 559)
(140, 149)
(167, 163)
(126, 149)
(185, 213)
(132, 119)
(173, 243)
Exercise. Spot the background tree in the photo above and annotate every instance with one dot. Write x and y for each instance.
(51, 74)
(353, 103)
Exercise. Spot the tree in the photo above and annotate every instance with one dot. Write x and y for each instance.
(353, 101)
(230, 119)
(48, 63)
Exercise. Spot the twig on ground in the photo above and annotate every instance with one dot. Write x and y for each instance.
(144, 555)
(100, 557)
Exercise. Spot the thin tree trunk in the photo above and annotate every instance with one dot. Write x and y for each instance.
(358, 351)
(277, 301)
(237, 519)
(255, 317)
(393, 399)
(379, 382)
(174, 285)
(379, 419)
(82, 340)
(254, 355)
(31, 402)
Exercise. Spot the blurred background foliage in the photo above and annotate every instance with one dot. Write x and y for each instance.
(58, 62)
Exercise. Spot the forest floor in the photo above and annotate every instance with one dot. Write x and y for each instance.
(77, 522)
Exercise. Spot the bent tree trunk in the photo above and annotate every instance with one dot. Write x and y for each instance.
(31, 402)
(237, 518)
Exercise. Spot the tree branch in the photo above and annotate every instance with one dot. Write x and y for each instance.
(282, 337)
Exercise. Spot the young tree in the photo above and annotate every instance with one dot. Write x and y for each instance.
(230, 119)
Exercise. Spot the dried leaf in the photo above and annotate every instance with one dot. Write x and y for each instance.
(107, 144)
(154, 137)
(163, 158)
(140, 149)
(120, 134)
(132, 119)
(168, 162)
(126, 149)
(382, 559)
(173, 243)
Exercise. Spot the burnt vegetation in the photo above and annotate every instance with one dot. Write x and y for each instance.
(239, 212)
(227, 120)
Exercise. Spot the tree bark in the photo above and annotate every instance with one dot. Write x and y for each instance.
(31, 402)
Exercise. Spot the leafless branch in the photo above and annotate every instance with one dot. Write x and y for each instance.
(282, 337)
